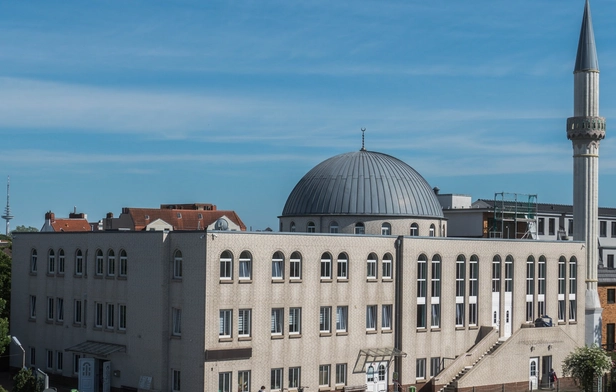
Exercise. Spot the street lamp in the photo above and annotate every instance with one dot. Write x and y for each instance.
(23, 360)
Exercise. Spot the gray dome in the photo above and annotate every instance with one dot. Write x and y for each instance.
(363, 183)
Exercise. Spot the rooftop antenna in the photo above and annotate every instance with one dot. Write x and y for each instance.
(7, 211)
(363, 132)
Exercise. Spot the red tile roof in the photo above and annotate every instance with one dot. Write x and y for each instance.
(70, 225)
(187, 220)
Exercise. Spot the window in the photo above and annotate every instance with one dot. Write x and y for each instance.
(224, 382)
(310, 228)
(292, 227)
(611, 296)
(342, 314)
(371, 266)
(33, 306)
(570, 228)
(460, 290)
(414, 230)
(61, 260)
(123, 263)
(243, 381)
(59, 360)
(435, 292)
(562, 269)
(360, 228)
(245, 265)
(422, 274)
(225, 317)
(610, 261)
(295, 321)
(572, 289)
(99, 267)
(613, 232)
(278, 266)
(435, 366)
(295, 266)
(76, 363)
(326, 266)
(420, 368)
(60, 309)
(324, 375)
(387, 266)
(51, 262)
(530, 287)
(49, 355)
(32, 356)
(541, 228)
(226, 266)
(386, 317)
(111, 263)
(508, 274)
(33, 259)
(176, 315)
(175, 380)
(325, 319)
(473, 289)
(343, 265)
(276, 379)
(432, 230)
(602, 229)
(541, 271)
(78, 262)
(50, 303)
(333, 227)
(295, 377)
(371, 317)
(277, 321)
(98, 315)
(552, 226)
(341, 374)
(110, 316)
(77, 311)
(244, 322)
(385, 229)
(177, 265)
(496, 274)
(122, 317)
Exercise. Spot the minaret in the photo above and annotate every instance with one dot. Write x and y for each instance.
(585, 130)
(7, 211)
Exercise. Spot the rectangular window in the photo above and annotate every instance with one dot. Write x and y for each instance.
(613, 229)
(610, 261)
(371, 317)
(277, 268)
(99, 265)
(243, 381)
(122, 317)
(295, 266)
(387, 270)
(561, 276)
(541, 228)
(552, 227)
(435, 315)
(177, 267)
(324, 375)
(51, 263)
(435, 366)
(176, 314)
(572, 278)
(570, 228)
(79, 263)
(611, 296)
(530, 277)
(111, 266)
(49, 359)
(123, 265)
(459, 314)
(50, 313)
(32, 356)
(33, 306)
(561, 310)
(325, 319)
(277, 321)
(602, 229)
(295, 377)
(98, 315)
(33, 262)
(371, 267)
(59, 360)
(541, 277)
(421, 278)
(245, 268)
(342, 265)
(341, 374)
(386, 317)
(295, 321)
(226, 268)
(420, 368)
(61, 261)
(244, 321)
(110, 316)
(76, 358)
(472, 313)
(421, 315)
(529, 311)
(224, 382)
(60, 309)
(175, 380)
(326, 268)
(77, 312)
(341, 318)
(225, 317)
(276, 379)
(572, 310)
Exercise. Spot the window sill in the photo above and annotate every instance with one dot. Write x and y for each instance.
(175, 337)
(387, 279)
(562, 323)
(97, 328)
(436, 329)
(460, 328)
(32, 319)
(244, 338)
(225, 339)
(471, 327)
(325, 334)
(386, 331)
(122, 277)
(77, 325)
(276, 337)
(572, 322)
(60, 274)
(326, 280)
(121, 331)
(98, 276)
(277, 280)
(295, 281)
(243, 281)
(33, 273)
(371, 332)
(59, 322)
(226, 281)
(77, 276)
(422, 330)
(325, 389)
(372, 280)
(50, 274)
(343, 280)
(342, 333)
(49, 321)
(110, 277)
(295, 336)
(108, 329)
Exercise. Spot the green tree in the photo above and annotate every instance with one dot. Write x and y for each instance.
(24, 229)
(25, 381)
(5, 283)
(585, 365)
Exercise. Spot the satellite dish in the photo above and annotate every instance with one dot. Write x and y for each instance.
(221, 224)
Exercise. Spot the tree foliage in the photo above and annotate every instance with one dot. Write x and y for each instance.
(24, 229)
(25, 381)
(586, 364)
(5, 283)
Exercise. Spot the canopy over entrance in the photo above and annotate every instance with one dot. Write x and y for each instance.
(368, 355)
(97, 349)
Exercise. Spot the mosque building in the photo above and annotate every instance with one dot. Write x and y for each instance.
(360, 290)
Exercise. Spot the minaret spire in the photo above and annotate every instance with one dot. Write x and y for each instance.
(363, 132)
(586, 130)
(7, 211)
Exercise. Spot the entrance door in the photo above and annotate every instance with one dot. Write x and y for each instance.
(381, 383)
(376, 377)
(107, 376)
(546, 367)
(87, 375)
(533, 370)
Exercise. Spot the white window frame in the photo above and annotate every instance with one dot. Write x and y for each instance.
(175, 380)
(99, 267)
(277, 321)
(78, 262)
(278, 266)
(111, 265)
(341, 374)
(342, 266)
(122, 317)
(371, 317)
(245, 265)
(51, 262)
(371, 267)
(325, 319)
(225, 326)
(387, 265)
(295, 377)
(110, 324)
(276, 379)
(98, 315)
(244, 322)
(326, 266)
(324, 375)
(59, 361)
(420, 369)
(177, 265)
(61, 261)
(49, 362)
(226, 267)
(77, 312)
(385, 229)
(33, 261)
(243, 381)
(295, 321)
(50, 308)
(123, 264)
(33, 307)
(342, 318)
(295, 266)
(60, 309)
(386, 317)
(224, 382)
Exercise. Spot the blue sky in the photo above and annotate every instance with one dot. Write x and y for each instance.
(111, 104)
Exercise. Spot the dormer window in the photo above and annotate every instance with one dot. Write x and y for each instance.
(179, 215)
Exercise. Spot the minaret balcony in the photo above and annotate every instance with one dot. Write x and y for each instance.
(586, 128)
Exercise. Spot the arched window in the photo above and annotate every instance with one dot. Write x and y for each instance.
(78, 262)
(278, 266)
(435, 292)
(473, 289)
(422, 274)
(226, 266)
(61, 261)
(530, 288)
(414, 230)
(295, 266)
(496, 274)
(562, 271)
(333, 227)
(360, 228)
(292, 227)
(326, 266)
(111, 263)
(343, 266)
(508, 274)
(33, 260)
(387, 266)
(245, 265)
(385, 229)
(177, 265)
(51, 262)
(381, 372)
(541, 286)
(460, 289)
(371, 265)
(311, 228)
(432, 230)
(572, 288)
(123, 263)
(99, 267)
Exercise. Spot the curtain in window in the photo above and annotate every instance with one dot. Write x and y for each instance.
(341, 318)
(244, 268)
(177, 321)
(370, 317)
(276, 268)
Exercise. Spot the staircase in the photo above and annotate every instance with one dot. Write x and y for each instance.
(453, 384)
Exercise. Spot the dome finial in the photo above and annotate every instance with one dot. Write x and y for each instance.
(363, 131)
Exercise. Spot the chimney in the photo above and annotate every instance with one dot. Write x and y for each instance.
(50, 216)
